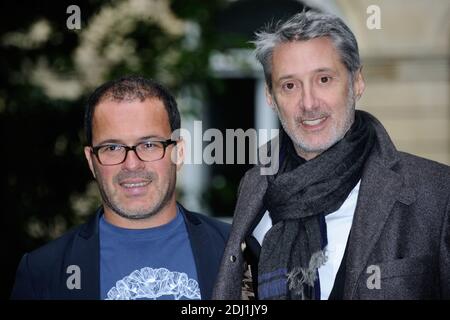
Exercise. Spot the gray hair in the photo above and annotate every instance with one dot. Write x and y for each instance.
(306, 26)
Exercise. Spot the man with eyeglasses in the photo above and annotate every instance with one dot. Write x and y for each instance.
(141, 244)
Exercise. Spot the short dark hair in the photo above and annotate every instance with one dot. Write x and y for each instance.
(130, 88)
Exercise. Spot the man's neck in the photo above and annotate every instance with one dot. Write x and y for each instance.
(163, 216)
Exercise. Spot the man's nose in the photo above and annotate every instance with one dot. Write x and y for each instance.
(308, 98)
(132, 161)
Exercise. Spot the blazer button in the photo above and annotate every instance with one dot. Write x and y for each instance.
(232, 258)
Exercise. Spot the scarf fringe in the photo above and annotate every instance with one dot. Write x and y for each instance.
(299, 277)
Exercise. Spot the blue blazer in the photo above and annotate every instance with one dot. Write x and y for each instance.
(43, 273)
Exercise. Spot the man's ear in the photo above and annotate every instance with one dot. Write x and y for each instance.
(269, 98)
(88, 154)
(358, 84)
(178, 153)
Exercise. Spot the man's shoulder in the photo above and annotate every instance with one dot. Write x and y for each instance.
(429, 179)
(212, 224)
(424, 170)
(53, 251)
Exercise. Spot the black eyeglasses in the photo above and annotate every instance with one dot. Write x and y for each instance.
(113, 153)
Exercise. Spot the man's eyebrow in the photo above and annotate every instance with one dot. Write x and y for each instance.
(110, 141)
(151, 137)
(291, 76)
(287, 76)
(324, 70)
(117, 141)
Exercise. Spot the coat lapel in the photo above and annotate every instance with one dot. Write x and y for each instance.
(250, 202)
(249, 205)
(376, 198)
(381, 187)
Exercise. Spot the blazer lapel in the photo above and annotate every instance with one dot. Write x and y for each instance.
(85, 256)
(202, 249)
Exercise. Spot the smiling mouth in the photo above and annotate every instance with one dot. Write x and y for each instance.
(138, 184)
(313, 122)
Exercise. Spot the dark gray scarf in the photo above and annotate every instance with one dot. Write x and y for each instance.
(298, 198)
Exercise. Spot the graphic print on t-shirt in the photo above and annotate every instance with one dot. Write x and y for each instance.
(149, 283)
(155, 263)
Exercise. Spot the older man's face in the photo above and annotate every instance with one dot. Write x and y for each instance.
(311, 93)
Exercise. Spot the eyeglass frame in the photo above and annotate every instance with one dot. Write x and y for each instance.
(165, 143)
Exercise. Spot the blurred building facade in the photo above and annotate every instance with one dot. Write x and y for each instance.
(406, 67)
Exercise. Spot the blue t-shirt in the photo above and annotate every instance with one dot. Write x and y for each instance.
(154, 263)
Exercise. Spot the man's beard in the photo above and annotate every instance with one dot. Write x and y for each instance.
(141, 214)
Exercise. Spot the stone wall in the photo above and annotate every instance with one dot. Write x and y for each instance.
(406, 67)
